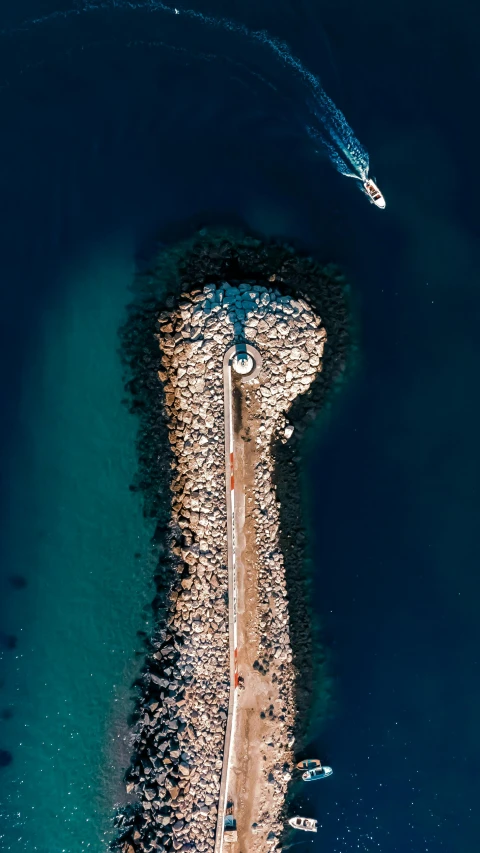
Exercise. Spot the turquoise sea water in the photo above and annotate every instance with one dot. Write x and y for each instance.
(77, 536)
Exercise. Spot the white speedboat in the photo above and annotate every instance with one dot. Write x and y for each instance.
(308, 824)
(374, 193)
(317, 773)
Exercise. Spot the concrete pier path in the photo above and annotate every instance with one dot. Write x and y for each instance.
(242, 364)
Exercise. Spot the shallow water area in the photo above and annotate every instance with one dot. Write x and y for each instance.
(79, 544)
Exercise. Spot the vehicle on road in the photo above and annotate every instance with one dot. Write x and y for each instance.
(230, 834)
(317, 773)
(308, 763)
(308, 824)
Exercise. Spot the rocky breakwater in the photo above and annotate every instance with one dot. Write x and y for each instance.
(179, 746)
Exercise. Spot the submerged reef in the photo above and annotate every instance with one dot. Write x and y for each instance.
(189, 305)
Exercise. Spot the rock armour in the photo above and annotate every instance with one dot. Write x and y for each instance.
(180, 736)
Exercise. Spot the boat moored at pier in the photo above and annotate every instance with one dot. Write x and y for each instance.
(308, 763)
(308, 824)
(317, 773)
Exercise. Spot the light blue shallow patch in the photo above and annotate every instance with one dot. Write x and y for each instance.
(74, 530)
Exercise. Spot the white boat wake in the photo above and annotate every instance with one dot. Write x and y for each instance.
(329, 126)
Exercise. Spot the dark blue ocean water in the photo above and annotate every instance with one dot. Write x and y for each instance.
(120, 124)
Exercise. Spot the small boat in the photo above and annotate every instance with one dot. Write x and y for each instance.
(308, 824)
(374, 193)
(308, 763)
(317, 773)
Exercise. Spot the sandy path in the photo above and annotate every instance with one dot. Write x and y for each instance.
(252, 756)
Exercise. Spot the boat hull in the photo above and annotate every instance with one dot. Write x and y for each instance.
(315, 775)
(309, 764)
(310, 827)
(374, 194)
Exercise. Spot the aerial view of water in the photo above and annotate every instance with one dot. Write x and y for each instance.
(126, 121)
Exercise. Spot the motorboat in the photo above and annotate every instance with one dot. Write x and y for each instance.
(374, 193)
(308, 824)
(317, 773)
(308, 763)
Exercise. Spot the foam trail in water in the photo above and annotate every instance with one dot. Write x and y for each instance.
(340, 140)
(338, 161)
(343, 140)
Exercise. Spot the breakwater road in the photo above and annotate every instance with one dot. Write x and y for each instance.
(257, 758)
(241, 365)
(214, 741)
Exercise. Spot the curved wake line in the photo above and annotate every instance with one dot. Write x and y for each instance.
(335, 157)
(345, 151)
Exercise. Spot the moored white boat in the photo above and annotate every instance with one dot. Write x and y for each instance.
(317, 773)
(308, 824)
